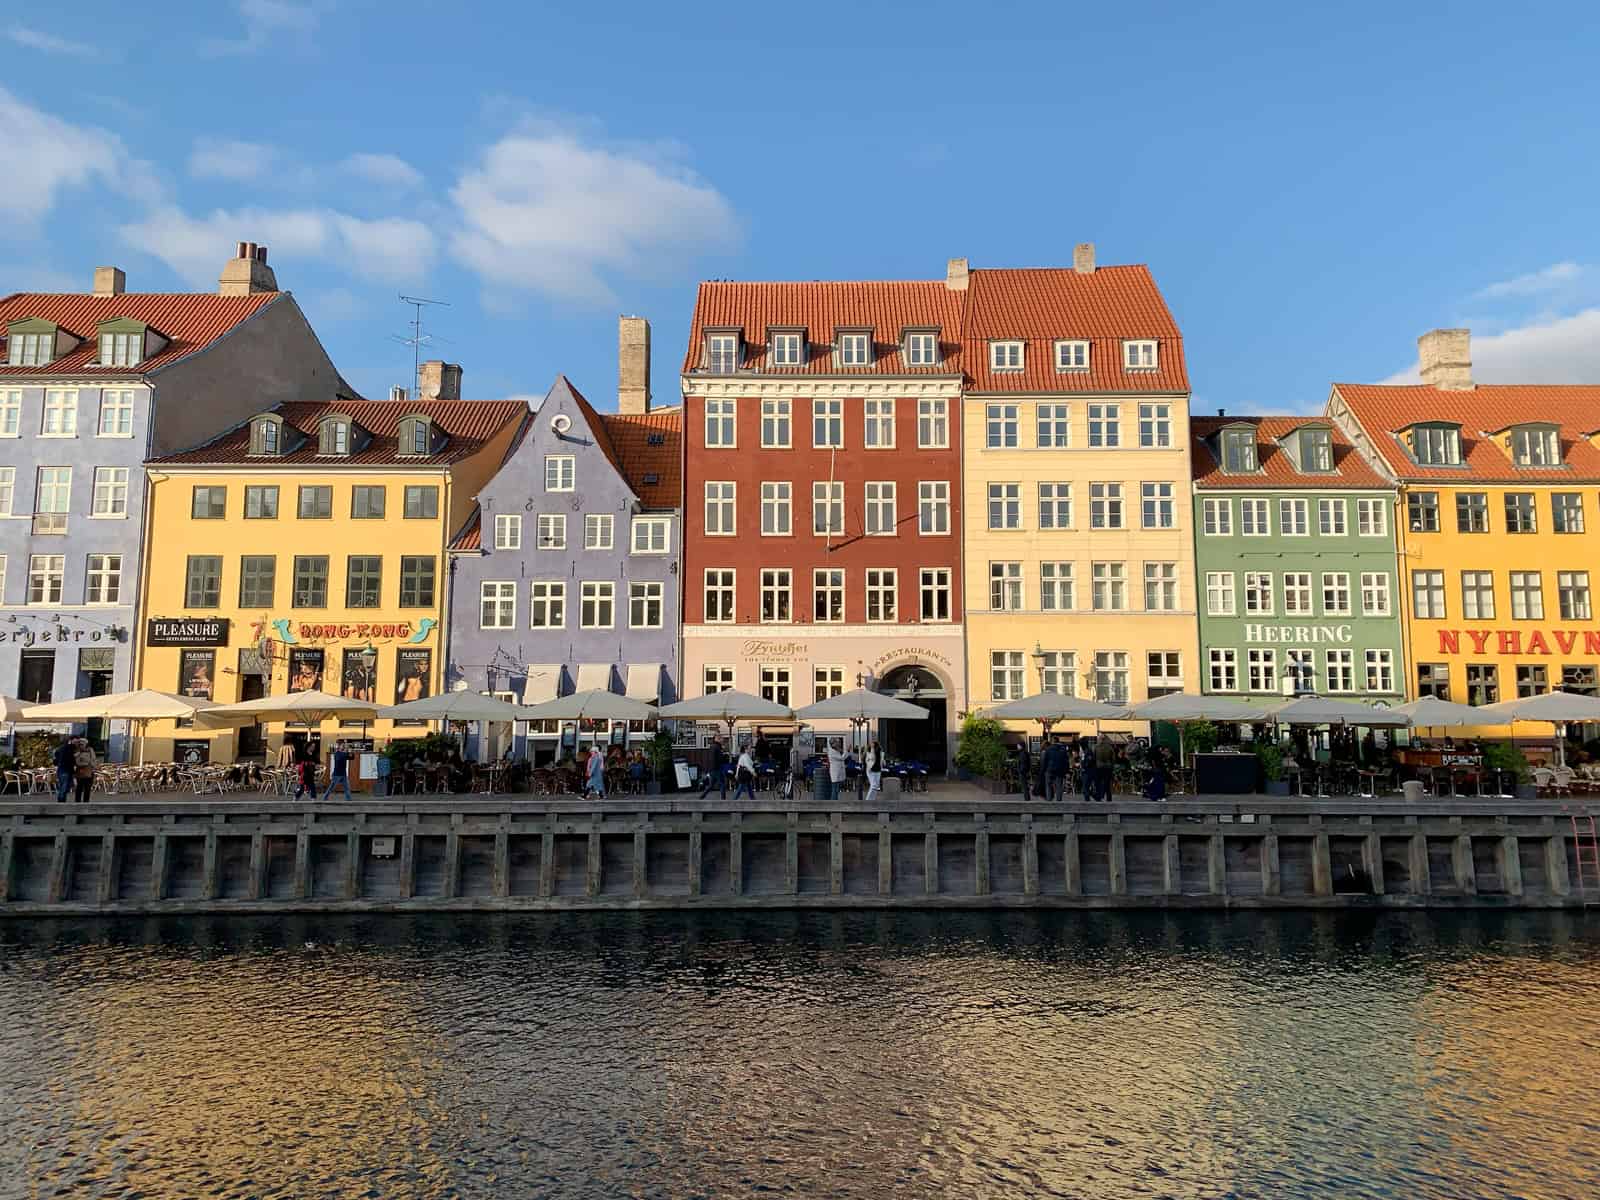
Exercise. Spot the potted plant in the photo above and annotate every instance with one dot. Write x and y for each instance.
(1269, 755)
(1505, 756)
(982, 751)
(658, 753)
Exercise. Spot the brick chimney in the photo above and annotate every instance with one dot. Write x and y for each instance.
(1083, 258)
(247, 273)
(956, 274)
(633, 365)
(438, 380)
(109, 281)
(1445, 357)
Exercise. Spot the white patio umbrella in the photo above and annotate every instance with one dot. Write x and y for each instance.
(596, 704)
(140, 706)
(11, 708)
(1557, 708)
(455, 706)
(1318, 710)
(1181, 708)
(861, 706)
(1430, 712)
(302, 708)
(730, 707)
(1050, 707)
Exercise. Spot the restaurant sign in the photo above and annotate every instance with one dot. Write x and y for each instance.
(186, 631)
(1516, 641)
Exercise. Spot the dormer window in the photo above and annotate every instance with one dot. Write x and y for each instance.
(121, 349)
(1535, 446)
(266, 436)
(31, 349)
(1436, 445)
(1316, 449)
(1005, 356)
(922, 349)
(416, 436)
(788, 349)
(722, 353)
(1072, 356)
(855, 350)
(334, 436)
(1239, 451)
(1139, 355)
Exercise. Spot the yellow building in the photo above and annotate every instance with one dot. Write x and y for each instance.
(1079, 549)
(1498, 529)
(305, 548)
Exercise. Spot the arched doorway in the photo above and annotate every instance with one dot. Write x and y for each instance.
(925, 742)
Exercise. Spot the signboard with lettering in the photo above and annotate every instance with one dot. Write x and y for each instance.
(186, 631)
(1516, 641)
(1298, 635)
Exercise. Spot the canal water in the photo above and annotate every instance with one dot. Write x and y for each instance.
(995, 1054)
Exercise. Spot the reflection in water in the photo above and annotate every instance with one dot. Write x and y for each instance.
(860, 1054)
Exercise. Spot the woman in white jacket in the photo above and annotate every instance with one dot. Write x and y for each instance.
(874, 769)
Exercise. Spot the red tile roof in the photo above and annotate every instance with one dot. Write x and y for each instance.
(190, 320)
(1043, 305)
(471, 535)
(649, 447)
(822, 308)
(467, 425)
(1384, 411)
(1350, 469)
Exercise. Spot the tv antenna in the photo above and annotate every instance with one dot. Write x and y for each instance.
(418, 339)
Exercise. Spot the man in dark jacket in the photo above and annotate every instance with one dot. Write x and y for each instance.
(1105, 763)
(65, 759)
(1057, 767)
(1025, 769)
(717, 776)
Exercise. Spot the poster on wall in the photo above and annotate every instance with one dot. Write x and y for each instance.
(197, 673)
(358, 681)
(412, 669)
(305, 669)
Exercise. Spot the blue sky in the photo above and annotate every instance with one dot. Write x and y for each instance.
(1312, 187)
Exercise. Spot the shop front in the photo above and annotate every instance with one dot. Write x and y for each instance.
(65, 656)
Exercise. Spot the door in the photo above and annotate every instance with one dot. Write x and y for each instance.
(36, 679)
(924, 741)
(252, 738)
(99, 683)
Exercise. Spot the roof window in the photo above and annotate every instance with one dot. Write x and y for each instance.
(1436, 445)
(1139, 355)
(1005, 356)
(266, 436)
(1239, 451)
(333, 436)
(855, 349)
(1535, 446)
(416, 436)
(788, 348)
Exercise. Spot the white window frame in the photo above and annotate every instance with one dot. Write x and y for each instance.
(1572, 596)
(1161, 583)
(652, 594)
(1055, 505)
(1258, 586)
(776, 591)
(1006, 356)
(1052, 425)
(922, 349)
(1255, 517)
(1261, 673)
(1007, 676)
(1336, 600)
(1377, 594)
(46, 576)
(777, 423)
(883, 595)
(651, 535)
(552, 531)
(933, 423)
(828, 582)
(1222, 597)
(550, 597)
(1222, 668)
(8, 490)
(1105, 502)
(1372, 517)
(61, 403)
(1005, 507)
(723, 584)
(878, 423)
(599, 531)
(1140, 354)
(721, 423)
(1058, 589)
(827, 423)
(721, 508)
(1339, 670)
(788, 349)
(502, 596)
(1108, 586)
(1294, 516)
(10, 413)
(1216, 517)
(116, 405)
(1155, 426)
(1001, 426)
(935, 585)
(716, 678)
(1379, 670)
(560, 473)
(1072, 354)
(110, 501)
(933, 507)
(827, 510)
(1005, 586)
(1333, 517)
(1298, 598)
(508, 531)
(777, 508)
(722, 353)
(1105, 426)
(101, 577)
(1157, 500)
(598, 596)
(1058, 672)
(881, 517)
(855, 349)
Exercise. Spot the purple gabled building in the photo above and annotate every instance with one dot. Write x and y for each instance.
(565, 577)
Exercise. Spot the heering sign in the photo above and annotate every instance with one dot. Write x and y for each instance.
(1515, 641)
(1298, 635)
(186, 631)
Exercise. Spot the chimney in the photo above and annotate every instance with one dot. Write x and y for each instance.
(109, 281)
(399, 394)
(956, 272)
(1445, 356)
(1083, 258)
(633, 365)
(439, 380)
(247, 273)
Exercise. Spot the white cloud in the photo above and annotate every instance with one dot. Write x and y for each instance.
(265, 20)
(1555, 350)
(1535, 283)
(230, 159)
(545, 212)
(35, 39)
(57, 154)
(388, 170)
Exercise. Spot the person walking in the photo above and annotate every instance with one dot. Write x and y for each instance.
(306, 783)
(836, 770)
(717, 775)
(872, 763)
(1086, 767)
(1057, 765)
(65, 759)
(338, 772)
(1025, 770)
(744, 775)
(1105, 761)
(596, 781)
(83, 765)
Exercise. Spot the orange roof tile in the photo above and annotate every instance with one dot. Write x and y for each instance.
(471, 535)
(190, 320)
(1350, 469)
(649, 447)
(1384, 411)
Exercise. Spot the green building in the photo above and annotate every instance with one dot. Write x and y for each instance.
(1295, 561)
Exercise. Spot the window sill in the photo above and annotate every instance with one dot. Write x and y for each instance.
(115, 437)
(58, 437)
(108, 516)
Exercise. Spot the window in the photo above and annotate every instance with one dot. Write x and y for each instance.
(1053, 426)
(933, 424)
(1477, 595)
(266, 435)
(827, 595)
(1427, 595)
(1000, 426)
(1105, 425)
(1239, 451)
(1297, 594)
(1055, 506)
(646, 602)
(1433, 679)
(922, 349)
(1316, 450)
(722, 353)
(8, 489)
(881, 519)
(786, 350)
(651, 534)
(103, 579)
(369, 502)
(121, 349)
(1221, 600)
(1111, 676)
(110, 492)
(883, 589)
(203, 581)
(1005, 675)
(1535, 446)
(1072, 356)
(777, 424)
(316, 502)
(1293, 518)
(719, 424)
(827, 508)
(416, 436)
(60, 414)
(1331, 515)
(775, 685)
(10, 413)
(597, 603)
(1300, 669)
(1436, 445)
(1372, 518)
(1156, 506)
(258, 578)
(716, 679)
(827, 424)
(1155, 425)
(334, 436)
(1572, 590)
(116, 413)
(1056, 587)
(1161, 586)
(1520, 514)
(261, 502)
(935, 588)
(1105, 506)
(31, 349)
(1139, 356)
(1005, 506)
(599, 531)
(363, 583)
(1341, 670)
(1005, 586)
(1058, 672)
(1483, 683)
(1216, 517)
(208, 503)
(54, 490)
(1005, 356)
(1224, 670)
(1253, 518)
(1263, 670)
(777, 519)
(1581, 679)
(1527, 596)
(417, 574)
(497, 606)
(310, 581)
(933, 507)
(720, 509)
(1472, 512)
(1566, 512)
(1163, 672)
(1109, 586)
(1375, 594)
(1422, 512)
(826, 683)
(1258, 593)
(776, 592)
(1336, 593)
(45, 575)
(878, 416)
(719, 595)
(547, 605)
(855, 349)
(1533, 679)
(552, 531)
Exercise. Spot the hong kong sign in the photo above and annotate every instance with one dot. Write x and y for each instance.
(295, 632)
(186, 631)
(1516, 641)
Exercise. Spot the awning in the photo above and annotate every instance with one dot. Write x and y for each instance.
(644, 682)
(544, 683)
(594, 677)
